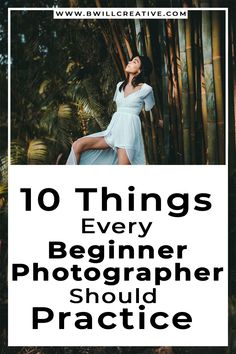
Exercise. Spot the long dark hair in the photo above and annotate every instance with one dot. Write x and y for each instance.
(143, 76)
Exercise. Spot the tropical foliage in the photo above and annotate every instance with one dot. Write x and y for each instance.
(63, 76)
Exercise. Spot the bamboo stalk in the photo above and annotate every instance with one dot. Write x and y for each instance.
(178, 63)
(210, 94)
(203, 103)
(164, 77)
(114, 57)
(179, 81)
(132, 36)
(232, 101)
(129, 50)
(172, 90)
(138, 29)
(120, 28)
(200, 151)
(191, 88)
(153, 82)
(204, 114)
(174, 57)
(139, 40)
(118, 46)
(156, 114)
(115, 39)
(216, 52)
(185, 92)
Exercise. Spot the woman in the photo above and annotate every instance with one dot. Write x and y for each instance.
(121, 143)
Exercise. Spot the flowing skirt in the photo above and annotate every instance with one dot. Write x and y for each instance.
(124, 131)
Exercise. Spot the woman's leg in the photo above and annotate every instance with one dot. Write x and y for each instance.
(122, 157)
(88, 143)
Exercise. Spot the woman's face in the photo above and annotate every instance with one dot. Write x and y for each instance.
(133, 66)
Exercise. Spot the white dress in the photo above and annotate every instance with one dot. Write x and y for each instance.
(124, 130)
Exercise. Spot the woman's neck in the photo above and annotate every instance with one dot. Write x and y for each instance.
(131, 76)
